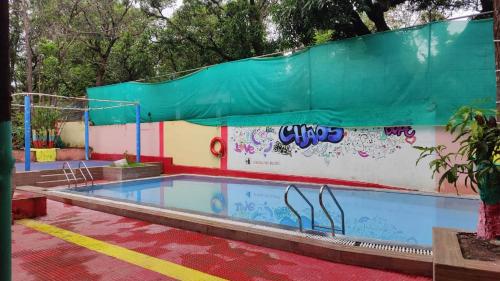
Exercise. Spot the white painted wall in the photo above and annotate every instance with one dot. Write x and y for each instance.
(364, 154)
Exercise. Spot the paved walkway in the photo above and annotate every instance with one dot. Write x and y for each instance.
(73, 243)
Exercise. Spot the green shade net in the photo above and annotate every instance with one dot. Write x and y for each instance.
(414, 76)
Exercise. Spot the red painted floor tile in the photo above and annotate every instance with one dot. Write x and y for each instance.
(38, 256)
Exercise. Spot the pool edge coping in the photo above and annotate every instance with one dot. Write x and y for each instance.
(286, 240)
(308, 184)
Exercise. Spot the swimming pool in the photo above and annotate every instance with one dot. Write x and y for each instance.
(402, 218)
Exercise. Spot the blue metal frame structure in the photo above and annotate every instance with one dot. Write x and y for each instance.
(27, 123)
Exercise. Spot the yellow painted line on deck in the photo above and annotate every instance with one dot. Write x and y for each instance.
(160, 266)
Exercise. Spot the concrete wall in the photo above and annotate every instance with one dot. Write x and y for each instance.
(188, 144)
(375, 155)
(73, 133)
(116, 139)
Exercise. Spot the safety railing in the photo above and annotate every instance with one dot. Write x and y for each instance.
(86, 170)
(66, 174)
(321, 203)
(299, 218)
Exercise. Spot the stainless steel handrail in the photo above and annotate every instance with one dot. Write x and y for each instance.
(84, 177)
(66, 175)
(295, 211)
(323, 188)
(88, 172)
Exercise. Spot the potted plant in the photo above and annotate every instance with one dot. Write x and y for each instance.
(478, 135)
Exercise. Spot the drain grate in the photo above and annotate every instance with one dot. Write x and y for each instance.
(394, 248)
(370, 245)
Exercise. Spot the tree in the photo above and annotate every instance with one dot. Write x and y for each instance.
(15, 37)
(80, 43)
(132, 58)
(29, 55)
(76, 44)
(210, 31)
(478, 135)
(99, 25)
(298, 20)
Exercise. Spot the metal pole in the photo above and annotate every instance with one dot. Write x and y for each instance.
(86, 118)
(138, 133)
(6, 161)
(27, 133)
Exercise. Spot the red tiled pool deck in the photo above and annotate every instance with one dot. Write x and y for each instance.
(73, 243)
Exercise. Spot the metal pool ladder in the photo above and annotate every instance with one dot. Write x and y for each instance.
(313, 225)
(295, 211)
(89, 174)
(322, 204)
(70, 173)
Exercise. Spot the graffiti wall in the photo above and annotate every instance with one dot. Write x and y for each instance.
(378, 155)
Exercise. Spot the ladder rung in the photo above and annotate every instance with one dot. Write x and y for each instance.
(321, 226)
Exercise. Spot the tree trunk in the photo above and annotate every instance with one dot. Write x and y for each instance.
(486, 5)
(489, 221)
(358, 25)
(376, 15)
(489, 211)
(256, 38)
(100, 71)
(29, 55)
(99, 77)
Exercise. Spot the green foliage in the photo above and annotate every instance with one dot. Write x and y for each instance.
(297, 20)
(478, 136)
(17, 129)
(322, 36)
(204, 32)
(44, 118)
(82, 43)
(59, 143)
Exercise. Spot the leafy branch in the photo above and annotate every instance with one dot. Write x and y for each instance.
(477, 133)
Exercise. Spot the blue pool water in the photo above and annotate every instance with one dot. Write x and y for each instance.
(382, 215)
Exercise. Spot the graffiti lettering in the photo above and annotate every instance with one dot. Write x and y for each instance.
(282, 149)
(246, 148)
(397, 131)
(304, 135)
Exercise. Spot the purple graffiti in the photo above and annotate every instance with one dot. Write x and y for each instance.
(246, 148)
(253, 138)
(304, 135)
(408, 131)
(269, 147)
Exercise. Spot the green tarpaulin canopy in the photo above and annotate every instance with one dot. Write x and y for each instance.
(414, 76)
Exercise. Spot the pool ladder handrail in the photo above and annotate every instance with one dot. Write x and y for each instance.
(295, 211)
(321, 203)
(88, 172)
(66, 163)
